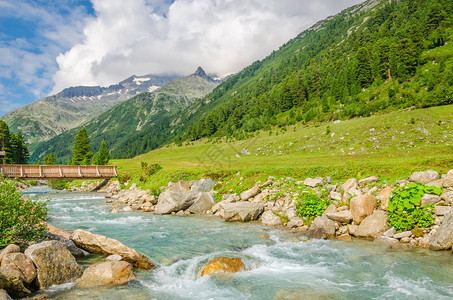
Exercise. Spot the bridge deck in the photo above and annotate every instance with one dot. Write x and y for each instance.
(38, 172)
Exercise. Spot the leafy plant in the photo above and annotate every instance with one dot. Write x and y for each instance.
(20, 219)
(405, 211)
(310, 206)
(58, 184)
(150, 169)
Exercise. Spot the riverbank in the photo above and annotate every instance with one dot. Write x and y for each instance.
(352, 209)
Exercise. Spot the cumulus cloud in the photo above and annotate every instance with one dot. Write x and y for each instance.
(162, 36)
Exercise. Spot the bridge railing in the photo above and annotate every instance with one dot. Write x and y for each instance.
(58, 171)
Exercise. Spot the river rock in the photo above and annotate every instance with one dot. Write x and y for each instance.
(177, 197)
(295, 222)
(10, 281)
(314, 182)
(386, 240)
(403, 234)
(441, 210)
(335, 196)
(4, 295)
(351, 187)
(368, 180)
(250, 193)
(242, 211)
(99, 244)
(322, 228)
(330, 209)
(9, 249)
(223, 265)
(344, 216)
(202, 203)
(54, 263)
(430, 199)
(270, 219)
(384, 197)
(390, 233)
(443, 238)
(424, 177)
(449, 179)
(203, 185)
(22, 263)
(55, 230)
(68, 244)
(361, 207)
(373, 226)
(107, 273)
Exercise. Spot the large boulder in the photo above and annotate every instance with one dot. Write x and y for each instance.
(177, 197)
(242, 211)
(99, 244)
(270, 219)
(314, 182)
(223, 265)
(443, 238)
(424, 177)
(107, 273)
(373, 226)
(250, 193)
(22, 263)
(361, 207)
(203, 185)
(322, 228)
(202, 203)
(54, 263)
(10, 281)
(68, 244)
(449, 179)
(55, 230)
(344, 216)
(384, 197)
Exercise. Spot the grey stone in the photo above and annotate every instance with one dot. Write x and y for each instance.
(177, 197)
(430, 199)
(442, 210)
(250, 193)
(443, 238)
(402, 234)
(449, 179)
(390, 233)
(242, 211)
(368, 180)
(361, 207)
(330, 209)
(373, 226)
(322, 228)
(335, 196)
(202, 203)
(314, 182)
(9, 249)
(107, 273)
(203, 185)
(114, 257)
(344, 216)
(4, 295)
(10, 281)
(295, 222)
(270, 219)
(424, 177)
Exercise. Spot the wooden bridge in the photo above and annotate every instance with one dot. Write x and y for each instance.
(44, 172)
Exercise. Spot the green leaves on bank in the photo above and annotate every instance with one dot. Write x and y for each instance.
(405, 211)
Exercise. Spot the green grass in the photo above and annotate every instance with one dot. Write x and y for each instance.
(388, 145)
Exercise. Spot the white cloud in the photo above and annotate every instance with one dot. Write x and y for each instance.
(153, 36)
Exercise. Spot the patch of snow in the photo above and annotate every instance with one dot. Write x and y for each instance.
(153, 88)
(139, 81)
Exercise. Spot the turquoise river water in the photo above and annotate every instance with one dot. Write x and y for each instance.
(280, 265)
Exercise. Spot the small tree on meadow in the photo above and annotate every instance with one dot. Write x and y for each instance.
(82, 148)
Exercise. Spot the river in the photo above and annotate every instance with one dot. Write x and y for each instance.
(280, 265)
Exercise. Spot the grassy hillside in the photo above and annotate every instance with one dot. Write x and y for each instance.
(391, 145)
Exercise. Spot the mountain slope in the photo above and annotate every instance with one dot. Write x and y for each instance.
(374, 57)
(136, 125)
(50, 116)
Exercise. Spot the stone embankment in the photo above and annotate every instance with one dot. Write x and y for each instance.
(53, 261)
(358, 207)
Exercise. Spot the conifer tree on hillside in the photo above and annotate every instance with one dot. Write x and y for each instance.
(82, 148)
(102, 157)
(14, 146)
(5, 141)
(50, 159)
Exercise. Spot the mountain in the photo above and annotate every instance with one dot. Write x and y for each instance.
(50, 116)
(137, 125)
(373, 58)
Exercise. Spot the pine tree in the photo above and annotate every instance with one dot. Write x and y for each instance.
(5, 141)
(20, 150)
(102, 157)
(50, 159)
(82, 148)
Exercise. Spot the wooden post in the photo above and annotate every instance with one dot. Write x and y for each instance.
(80, 172)
(40, 171)
(59, 169)
(97, 171)
(22, 171)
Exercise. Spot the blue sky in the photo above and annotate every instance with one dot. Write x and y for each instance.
(46, 46)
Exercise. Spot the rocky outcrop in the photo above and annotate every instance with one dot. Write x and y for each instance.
(10, 281)
(424, 177)
(361, 207)
(270, 219)
(107, 273)
(54, 263)
(12, 248)
(223, 265)
(322, 228)
(21, 263)
(202, 203)
(99, 244)
(443, 239)
(177, 197)
(373, 226)
(242, 211)
(203, 185)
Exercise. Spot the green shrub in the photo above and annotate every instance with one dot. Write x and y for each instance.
(310, 206)
(20, 219)
(123, 178)
(58, 184)
(150, 169)
(405, 211)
